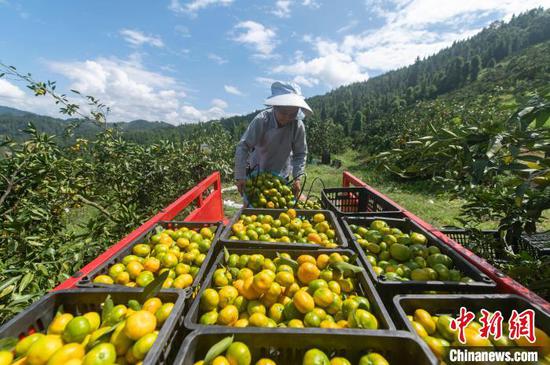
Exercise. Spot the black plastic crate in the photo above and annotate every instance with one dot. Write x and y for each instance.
(79, 301)
(483, 244)
(87, 280)
(288, 347)
(357, 201)
(365, 288)
(388, 288)
(339, 238)
(450, 303)
(537, 245)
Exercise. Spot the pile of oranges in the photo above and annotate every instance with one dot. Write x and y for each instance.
(436, 331)
(180, 252)
(286, 227)
(124, 335)
(239, 353)
(253, 290)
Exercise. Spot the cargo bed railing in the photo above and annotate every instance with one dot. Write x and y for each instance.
(504, 283)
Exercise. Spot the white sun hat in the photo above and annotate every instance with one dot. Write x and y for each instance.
(287, 94)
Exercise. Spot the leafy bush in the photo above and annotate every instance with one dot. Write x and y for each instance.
(62, 205)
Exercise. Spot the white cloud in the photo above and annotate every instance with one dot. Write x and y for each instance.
(132, 91)
(190, 114)
(254, 34)
(218, 59)
(348, 26)
(311, 3)
(332, 67)
(232, 90)
(305, 82)
(183, 31)
(222, 104)
(411, 29)
(422, 12)
(10, 91)
(192, 7)
(266, 81)
(138, 38)
(282, 8)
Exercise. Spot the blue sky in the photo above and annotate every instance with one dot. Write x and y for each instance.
(187, 60)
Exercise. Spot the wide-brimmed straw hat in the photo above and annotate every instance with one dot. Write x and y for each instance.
(287, 94)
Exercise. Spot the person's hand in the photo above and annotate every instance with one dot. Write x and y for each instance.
(240, 186)
(296, 187)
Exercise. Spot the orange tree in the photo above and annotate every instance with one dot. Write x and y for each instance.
(60, 206)
(501, 168)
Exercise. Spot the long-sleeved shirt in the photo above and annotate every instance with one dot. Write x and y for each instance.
(278, 149)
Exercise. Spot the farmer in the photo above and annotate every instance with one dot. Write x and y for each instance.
(275, 140)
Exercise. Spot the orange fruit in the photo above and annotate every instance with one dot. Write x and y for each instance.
(183, 281)
(134, 268)
(295, 323)
(143, 345)
(77, 329)
(315, 238)
(248, 289)
(66, 353)
(152, 305)
(59, 323)
(323, 297)
(116, 269)
(306, 258)
(119, 339)
(103, 279)
(139, 324)
(228, 315)
(6, 357)
(220, 360)
(145, 278)
(308, 272)
(264, 361)
(151, 264)
(163, 313)
(542, 341)
(238, 354)
(169, 260)
(291, 213)
(284, 278)
(102, 354)
(322, 261)
(23, 345)
(319, 217)
(182, 268)
(227, 295)
(303, 301)
(262, 281)
(166, 240)
(209, 300)
(141, 250)
(258, 320)
(41, 351)
(123, 278)
(238, 228)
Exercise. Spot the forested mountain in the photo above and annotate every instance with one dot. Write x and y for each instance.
(503, 62)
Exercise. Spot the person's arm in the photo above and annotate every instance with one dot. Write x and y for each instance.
(299, 155)
(249, 139)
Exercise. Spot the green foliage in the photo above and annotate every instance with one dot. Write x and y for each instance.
(324, 137)
(501, 167)
(122, 183)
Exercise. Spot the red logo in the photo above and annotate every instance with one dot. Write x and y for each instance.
(522, 325)
(461, 322)
(491, 324)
